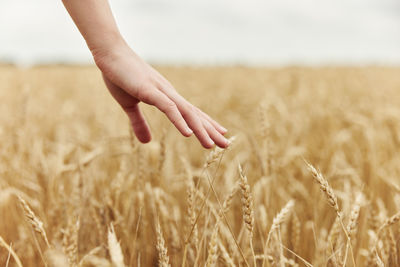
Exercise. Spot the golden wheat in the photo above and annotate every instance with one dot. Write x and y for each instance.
(94, 196)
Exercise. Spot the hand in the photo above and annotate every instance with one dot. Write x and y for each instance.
(130, 80)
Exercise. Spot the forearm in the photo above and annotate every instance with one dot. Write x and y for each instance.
(96, 23)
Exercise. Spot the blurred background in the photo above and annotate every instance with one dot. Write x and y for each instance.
(251, 32)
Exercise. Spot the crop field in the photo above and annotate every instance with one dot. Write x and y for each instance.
(312, 177)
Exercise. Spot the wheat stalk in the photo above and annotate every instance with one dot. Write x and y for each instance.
(334, 234)
(11, 251)
(162, 154)
(192, 211)
(225, 255)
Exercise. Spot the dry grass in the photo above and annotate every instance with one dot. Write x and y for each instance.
(77, 190)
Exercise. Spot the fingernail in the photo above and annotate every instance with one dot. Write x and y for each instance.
(211, 142)
(189, 131)
(224, 129)
(228, 143)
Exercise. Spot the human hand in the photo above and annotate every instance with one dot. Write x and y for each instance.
(130, 81)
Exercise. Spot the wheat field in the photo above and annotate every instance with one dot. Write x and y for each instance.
(311, 177)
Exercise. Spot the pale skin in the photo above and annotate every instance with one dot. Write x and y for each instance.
(131, 80)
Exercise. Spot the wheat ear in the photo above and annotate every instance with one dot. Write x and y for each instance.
(213, 247)
(280, 218)
(114, 248)
(295, 232)
(277, 221)
(70, 241)
(325, 187)
(354, 214)
(248, 210)
(33, 220)
(332, 199)
(216, 153)
(390, 221)
(163, 259)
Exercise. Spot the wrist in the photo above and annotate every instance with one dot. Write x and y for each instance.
(106, 44)
(110, 51)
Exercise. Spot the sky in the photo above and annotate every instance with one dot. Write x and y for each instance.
(261, 32)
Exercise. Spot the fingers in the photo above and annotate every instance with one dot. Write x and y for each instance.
(162, 102)
(216, 125)
(152, 88)
(139, 124)
(218, 138)
(206, 129)
(187, 122)
(197, 126)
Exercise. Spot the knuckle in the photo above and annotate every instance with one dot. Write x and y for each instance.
(143, 95)
(187, 109)
(170, 106)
